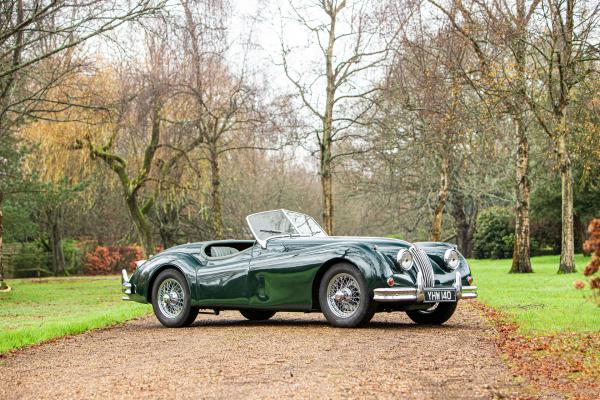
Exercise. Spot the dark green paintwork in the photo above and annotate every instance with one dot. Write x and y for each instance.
(285, 275)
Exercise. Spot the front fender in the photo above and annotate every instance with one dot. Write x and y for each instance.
(372, 264)
(143, 278)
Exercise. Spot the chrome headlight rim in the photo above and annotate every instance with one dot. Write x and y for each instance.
(405, 260)
(452, 259)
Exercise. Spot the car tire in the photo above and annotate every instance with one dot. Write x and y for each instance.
(440, 314)
(171, 300)
(356, 307)
(257, 315)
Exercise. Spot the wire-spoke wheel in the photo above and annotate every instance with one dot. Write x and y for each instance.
(171, 299)
(344, 296)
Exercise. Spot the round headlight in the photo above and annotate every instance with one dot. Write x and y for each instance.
(405, 259)
(451, 258)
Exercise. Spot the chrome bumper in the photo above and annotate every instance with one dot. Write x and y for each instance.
(125, 285)
(416, 294)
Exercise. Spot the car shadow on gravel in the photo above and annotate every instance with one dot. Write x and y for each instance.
(303, 323)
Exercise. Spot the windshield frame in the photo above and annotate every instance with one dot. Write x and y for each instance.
(263, 242)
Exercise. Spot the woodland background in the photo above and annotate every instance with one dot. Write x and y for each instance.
(131, 126)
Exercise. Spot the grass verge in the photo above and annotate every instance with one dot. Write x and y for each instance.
(540, 303)
(549, 332)
(36, 310)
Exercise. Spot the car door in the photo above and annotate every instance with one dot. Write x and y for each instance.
(223, 281)
(278, 279)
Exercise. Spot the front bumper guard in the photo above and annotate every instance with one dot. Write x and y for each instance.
(416, 294)
(125, 285)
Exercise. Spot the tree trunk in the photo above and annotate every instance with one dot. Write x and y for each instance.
(3, 284)
(215, 193)
(327, 188)
(326, 140)
(58, 256)
(582, 232)
(567, 262)
(436, 226)
(465, 230)
(521, 262)
(142, 225)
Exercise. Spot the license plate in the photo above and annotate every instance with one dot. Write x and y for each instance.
(439, 295)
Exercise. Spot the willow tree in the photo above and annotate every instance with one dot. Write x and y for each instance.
(35, 31)
(134, 136)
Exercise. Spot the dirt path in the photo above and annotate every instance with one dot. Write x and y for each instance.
(292, 355)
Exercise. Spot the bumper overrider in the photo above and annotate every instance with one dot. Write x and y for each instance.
(417, 294)
(126, 286)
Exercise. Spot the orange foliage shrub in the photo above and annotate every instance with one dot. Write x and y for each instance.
(105, 260)
(592, 245)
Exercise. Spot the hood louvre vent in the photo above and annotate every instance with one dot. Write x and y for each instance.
(423, 264)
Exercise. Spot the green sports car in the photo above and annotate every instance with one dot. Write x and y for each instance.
(293, 265)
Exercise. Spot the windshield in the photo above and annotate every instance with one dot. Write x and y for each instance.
(268, 224)
(305, 224)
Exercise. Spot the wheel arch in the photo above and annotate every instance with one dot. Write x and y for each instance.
(321, 272)
(157, 272)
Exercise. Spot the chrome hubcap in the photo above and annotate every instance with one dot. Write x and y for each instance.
(343, 295)
(171, 298)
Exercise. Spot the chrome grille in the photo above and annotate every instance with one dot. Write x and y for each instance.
(423, 264)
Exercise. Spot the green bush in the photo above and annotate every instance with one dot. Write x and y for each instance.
(495, 234)
(73, 257)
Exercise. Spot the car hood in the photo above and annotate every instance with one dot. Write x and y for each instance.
(302, 242)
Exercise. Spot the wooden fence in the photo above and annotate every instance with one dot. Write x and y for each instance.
(9, 251)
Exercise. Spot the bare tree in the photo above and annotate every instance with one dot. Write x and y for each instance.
(333, 92)
(565, 52)
(426, 81)
(32, 31)
(225, 103)
(497, 32)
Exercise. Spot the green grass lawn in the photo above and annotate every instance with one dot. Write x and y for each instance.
(38, 310)
(542, 302)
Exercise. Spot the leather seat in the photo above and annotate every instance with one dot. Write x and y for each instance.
(222, 251)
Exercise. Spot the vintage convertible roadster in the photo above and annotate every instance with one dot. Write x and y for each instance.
(292, 265)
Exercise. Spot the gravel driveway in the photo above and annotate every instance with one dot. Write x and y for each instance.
(292, 355)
